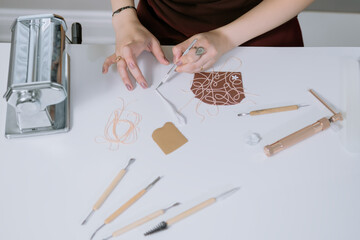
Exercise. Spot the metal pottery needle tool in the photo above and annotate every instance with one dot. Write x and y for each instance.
(167, 75)
(165, 224)
(141, 221)
(126, 205)
(108, 190)
(272, 110)
(306, 132)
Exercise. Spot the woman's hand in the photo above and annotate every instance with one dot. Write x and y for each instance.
(132, 39)
(215, 45)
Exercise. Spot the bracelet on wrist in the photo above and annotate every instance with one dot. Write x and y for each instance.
(122, 9)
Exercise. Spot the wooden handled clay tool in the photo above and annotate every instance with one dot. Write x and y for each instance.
(167, 75)
(108, 190)
(303, 133)
(141, 221)
(165, 224)
(273, 110)
(126, 205)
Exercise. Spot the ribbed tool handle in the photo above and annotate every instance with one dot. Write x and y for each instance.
(274, 110)
(109, 189)
(138, 222)
(296, 137)
(125, 206)
(191, 211)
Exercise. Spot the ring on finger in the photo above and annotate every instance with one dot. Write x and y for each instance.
(118, 58)
(199, 51)
(202, 68)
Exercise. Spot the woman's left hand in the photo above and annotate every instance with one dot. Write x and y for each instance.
(215, 45)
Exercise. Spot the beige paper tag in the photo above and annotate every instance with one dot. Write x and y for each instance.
(169, 138)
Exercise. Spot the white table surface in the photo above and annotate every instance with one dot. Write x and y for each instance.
(48, 184)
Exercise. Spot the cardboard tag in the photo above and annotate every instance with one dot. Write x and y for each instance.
(169, 138)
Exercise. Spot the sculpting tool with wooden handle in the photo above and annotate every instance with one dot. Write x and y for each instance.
(306, 132)
(141, 221)
(108, 190)
(126, 205)
(165, 224)
(272, 110)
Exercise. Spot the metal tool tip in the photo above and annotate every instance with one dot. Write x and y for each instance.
(242, 114)
(174, 205)
(131, 161)
(92, 236)
(108, 237)
(153, 183)
(87, 218)
(161, 83)
(227, 193)
(156, 180)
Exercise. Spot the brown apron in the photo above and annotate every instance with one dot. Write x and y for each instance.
(174, 21)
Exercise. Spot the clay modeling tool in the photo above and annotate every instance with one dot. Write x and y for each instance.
(306, 132)
(126, 205)
(180, 118)
(108, 190)
(141, 221)
(165, 224)
(167, 75)
(272, 110)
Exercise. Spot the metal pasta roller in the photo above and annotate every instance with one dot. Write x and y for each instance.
(38, 83)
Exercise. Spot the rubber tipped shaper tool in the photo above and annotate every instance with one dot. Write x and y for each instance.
(140, 221)
(126, 205)
(108, 190)
(165, 224)
(273, 110)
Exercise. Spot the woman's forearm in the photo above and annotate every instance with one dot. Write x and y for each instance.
(116, 4)
(125, 16)
(266, 16)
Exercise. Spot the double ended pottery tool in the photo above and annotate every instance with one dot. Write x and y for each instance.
(272, 110)
(141, 221)
(167, 75)
(306, 132)
(126, 205)
(165, 224)
(108, 190)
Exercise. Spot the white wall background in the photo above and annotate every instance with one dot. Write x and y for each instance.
(328, 26)
(58, 4)
(352, 6)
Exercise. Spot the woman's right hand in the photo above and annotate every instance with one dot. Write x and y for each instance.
(132, 38)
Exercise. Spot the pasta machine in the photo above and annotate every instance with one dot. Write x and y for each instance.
(38, 82)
